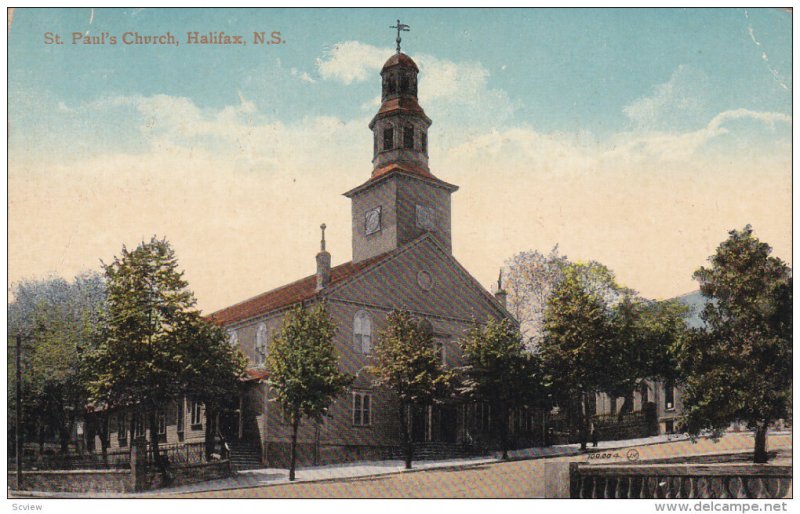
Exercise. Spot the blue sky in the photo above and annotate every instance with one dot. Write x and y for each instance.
(537, 93)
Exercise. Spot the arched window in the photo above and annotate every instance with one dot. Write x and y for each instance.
(362, 332)
(423, 142)
(388, 138)
(261, 344)
(233, 337)
(408, 137)
(404, 83)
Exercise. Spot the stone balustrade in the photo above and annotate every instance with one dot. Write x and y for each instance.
(680, 481)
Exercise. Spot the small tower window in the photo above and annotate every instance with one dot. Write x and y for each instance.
(404, 83)
(392, 86)
(388, 138)
(423, 142)
(408, 137)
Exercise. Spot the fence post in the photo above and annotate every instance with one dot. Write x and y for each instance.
(138, 466)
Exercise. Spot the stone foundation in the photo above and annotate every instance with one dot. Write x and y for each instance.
(75, 481)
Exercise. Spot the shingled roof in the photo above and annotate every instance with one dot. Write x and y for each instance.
(301, 290)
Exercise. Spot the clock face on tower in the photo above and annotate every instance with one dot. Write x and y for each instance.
(372, 221)
(425, 218)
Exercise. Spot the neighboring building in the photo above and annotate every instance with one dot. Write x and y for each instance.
(664, 396)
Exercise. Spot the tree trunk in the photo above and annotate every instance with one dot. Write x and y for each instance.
(293, 461)
(503, 422)
(406, 425)
(760, 452)
(583, 429)
(209, 435)
(104, 439)
(157, 460)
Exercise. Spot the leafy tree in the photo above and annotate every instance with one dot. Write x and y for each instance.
(58, 321)
(407, 363)
(579, 349)
(645, 333)
(739, 366)
(304, 368)
(142, 361)
(213, 369)
(529, 279)
(498, 370)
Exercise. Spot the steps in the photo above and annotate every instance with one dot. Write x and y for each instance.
(438, 451)
(245, 455)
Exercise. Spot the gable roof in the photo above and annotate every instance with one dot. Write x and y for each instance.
(301, 290)
(448, 257)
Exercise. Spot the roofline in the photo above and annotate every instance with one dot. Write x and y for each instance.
(377, 180)
(448, 256)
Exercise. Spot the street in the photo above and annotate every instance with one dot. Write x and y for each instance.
(516, 479)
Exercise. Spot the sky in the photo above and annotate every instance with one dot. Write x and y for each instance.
(634, 137)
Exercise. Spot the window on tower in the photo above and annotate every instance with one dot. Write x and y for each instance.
(404, 84)
(423, 142)
(392, 87)
(408, 137)
(388, 138)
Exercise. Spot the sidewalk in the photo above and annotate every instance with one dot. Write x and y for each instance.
(274, 476)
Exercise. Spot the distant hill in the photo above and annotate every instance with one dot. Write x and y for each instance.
(695, 301)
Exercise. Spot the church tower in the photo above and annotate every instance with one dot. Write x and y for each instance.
(402, 199)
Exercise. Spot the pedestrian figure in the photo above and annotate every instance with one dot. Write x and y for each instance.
(594, 437)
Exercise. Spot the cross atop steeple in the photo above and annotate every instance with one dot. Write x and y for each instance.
(322, 243)
(400, 27)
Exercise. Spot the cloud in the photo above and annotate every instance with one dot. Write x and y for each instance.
(680, 97)
(302, 75)
(678, 146)
(352, 61)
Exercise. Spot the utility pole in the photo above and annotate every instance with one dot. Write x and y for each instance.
(19, 414)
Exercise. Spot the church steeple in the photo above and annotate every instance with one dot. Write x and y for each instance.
(400, 128)
(402, 200)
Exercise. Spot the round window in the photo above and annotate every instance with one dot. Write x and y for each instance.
(425, 280)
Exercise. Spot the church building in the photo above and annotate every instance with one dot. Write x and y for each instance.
(402, 259)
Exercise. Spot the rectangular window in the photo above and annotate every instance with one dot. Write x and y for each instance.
(122, 429)
(408, 137)
(138, 426)
(161, 418)
(423, 142)
(669, 395)
(362, 409)
(388, 138)
(196, 419)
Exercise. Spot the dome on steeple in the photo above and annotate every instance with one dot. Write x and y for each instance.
(401, 59)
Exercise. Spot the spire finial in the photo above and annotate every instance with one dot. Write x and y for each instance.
(500, 280)
(400, 27)
(322, 243)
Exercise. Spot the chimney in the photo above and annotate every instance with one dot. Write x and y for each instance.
(500, 294)
(323, 264)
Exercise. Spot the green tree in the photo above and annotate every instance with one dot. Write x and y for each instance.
(304, 368)
(739, 366)
(142, 361)
(213, 370)
(645, 333)
(407, 363)
(498, 370)
(579, 351)
(59, 324)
